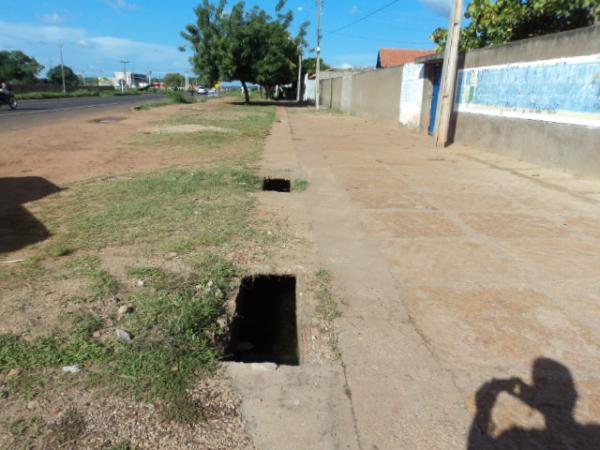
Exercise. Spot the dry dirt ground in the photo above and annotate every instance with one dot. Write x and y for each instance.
(90, 145)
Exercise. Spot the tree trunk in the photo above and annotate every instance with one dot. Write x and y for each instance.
(246, 93)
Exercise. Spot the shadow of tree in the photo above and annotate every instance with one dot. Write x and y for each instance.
(553, 394)
(18, 227)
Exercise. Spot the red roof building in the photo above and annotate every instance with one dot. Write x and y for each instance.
(391, 57)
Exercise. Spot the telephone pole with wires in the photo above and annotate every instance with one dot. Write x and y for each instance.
(449, 70)
(124, 74)
(318, 81)
(62, 69)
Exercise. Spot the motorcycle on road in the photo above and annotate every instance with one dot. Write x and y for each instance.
(8, 98)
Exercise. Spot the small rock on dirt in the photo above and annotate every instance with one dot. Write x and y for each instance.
(14, 373)
(32, 404)
(140, 283)
(125, 309)
(123, 335)
(76, 368)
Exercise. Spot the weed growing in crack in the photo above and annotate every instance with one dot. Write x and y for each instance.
(327, 310)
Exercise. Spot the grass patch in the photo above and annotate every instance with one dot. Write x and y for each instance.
(53, 350)
(327, 310)
(77, 93)
(172, 99)
(179, 326)
(102, 283)
(299, 185)
(248, 121)
(59, 249)
(179, 333)
(178, 321)
(210, 207)
(23, 431)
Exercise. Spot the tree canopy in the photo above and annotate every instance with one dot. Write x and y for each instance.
(501, 21)
(17, 67)
(245, 45)
(55, 76)
(174, 80)
(309, 65)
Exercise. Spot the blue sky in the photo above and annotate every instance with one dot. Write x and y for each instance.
(97, 34)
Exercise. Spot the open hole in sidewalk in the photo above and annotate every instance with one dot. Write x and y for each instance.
(264, 327)
(276, 184)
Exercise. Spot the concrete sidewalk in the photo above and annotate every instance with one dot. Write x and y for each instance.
(455, 268)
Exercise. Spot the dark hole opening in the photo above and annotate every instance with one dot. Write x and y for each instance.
(276, 184)
(264, 327)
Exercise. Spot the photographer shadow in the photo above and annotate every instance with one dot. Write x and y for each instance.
(553, 394)
(18, 227)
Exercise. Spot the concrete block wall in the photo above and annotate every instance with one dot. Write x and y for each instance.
(561, 69)
(377, 94)
(336, 93)
(325, 93)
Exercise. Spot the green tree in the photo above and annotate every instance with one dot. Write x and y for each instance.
(495, 22)
(17, 67)
(55, 76)
(174, 80)
(245, 45)
(309, 65)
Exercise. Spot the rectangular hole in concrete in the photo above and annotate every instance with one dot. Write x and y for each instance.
(264, 327)
(276, 184)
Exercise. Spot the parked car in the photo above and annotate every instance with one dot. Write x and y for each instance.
(202, 90)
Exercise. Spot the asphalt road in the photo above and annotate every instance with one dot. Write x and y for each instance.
(43, 112)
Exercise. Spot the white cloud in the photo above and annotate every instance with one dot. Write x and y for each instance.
(300, 8)
(354, 60)
(346, 66)
(354, 10)
(119, 5)
(441, 7)
(91, 53)
(53, 18)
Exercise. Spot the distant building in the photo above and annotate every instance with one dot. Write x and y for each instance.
(105, 81)
(131, 80)
(391, 57)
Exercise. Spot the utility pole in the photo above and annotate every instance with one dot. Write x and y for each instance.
(299, 88)
(62, 69)
(124, 74)
(449, 75)
(318, 85)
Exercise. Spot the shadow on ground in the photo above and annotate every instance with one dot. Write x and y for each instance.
(283, 103)
(18, 227)
(553, 394)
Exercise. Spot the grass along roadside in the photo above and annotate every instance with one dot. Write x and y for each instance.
(172, 98)
(77, 93)
(180, 230)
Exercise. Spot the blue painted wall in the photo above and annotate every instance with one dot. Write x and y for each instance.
(572, 86)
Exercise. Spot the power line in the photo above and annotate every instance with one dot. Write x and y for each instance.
(371, 14)
(382, 39)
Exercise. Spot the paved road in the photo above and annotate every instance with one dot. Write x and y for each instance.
(42, 112)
